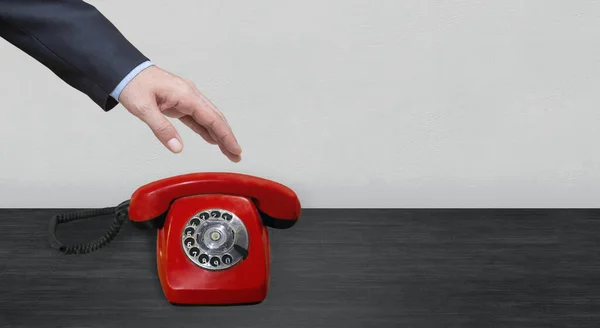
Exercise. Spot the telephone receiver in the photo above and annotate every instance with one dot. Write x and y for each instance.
(212, 242)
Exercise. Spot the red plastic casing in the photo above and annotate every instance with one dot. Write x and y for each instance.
(185, 283)
(271, 198)
(180, 198)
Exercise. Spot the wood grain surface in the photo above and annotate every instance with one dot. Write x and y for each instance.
(335, 268)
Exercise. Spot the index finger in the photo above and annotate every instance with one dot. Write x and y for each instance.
(203, 112)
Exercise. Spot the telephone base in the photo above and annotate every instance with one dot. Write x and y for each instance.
(239, 280)
(220, 297)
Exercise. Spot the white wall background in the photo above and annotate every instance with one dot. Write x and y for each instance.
(351, 103)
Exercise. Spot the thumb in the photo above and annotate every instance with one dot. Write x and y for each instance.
(162, 128)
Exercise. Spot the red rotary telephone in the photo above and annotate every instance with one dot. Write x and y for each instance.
(212, 240)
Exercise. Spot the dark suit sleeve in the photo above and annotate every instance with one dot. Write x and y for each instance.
(74, 40)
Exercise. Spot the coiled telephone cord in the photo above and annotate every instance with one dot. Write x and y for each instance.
(120, 215)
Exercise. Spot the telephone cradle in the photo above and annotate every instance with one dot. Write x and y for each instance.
(212, 242)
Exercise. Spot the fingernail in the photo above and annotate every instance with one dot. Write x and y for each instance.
(174, 145)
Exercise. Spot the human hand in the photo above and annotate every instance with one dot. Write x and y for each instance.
(155, 93)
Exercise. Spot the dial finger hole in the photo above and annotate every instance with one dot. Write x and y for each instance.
(194, 251)
(203, 259)
(189, 231)
(227, 259)
(215, 261)
(189, 242)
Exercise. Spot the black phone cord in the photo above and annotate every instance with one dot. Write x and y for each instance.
(120, 215)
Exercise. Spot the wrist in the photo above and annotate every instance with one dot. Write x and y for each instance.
(118, 90)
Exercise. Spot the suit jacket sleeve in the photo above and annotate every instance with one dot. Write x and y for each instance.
(74, 40)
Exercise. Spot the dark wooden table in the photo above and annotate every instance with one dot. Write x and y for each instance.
(335, 268)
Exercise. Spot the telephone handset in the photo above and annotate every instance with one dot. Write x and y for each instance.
(212, 243)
